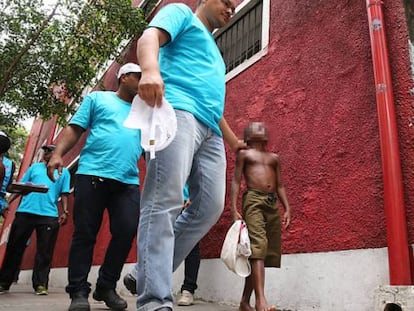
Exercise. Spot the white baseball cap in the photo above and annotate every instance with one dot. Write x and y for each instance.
(127, 68)
(158, 124)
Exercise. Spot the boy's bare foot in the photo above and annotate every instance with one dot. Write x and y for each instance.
(271, 308)
(244, 306)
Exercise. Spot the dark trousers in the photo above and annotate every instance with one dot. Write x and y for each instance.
(92, 196)
(191, 266)
(47, 229)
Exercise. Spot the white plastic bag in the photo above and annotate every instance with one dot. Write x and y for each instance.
(236, 249)
(243, 247)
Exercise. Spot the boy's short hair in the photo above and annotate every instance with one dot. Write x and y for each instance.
(249, 129)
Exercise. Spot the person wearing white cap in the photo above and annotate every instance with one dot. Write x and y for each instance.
(7, 168)
(107, 178)
(180, 60)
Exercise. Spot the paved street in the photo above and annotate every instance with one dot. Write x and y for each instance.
(22, 298)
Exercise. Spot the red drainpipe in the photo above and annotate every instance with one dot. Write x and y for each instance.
(398, 247)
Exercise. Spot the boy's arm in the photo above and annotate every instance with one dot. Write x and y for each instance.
(281, 192)
(235, 185)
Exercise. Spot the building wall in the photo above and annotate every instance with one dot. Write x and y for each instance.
(315, 91)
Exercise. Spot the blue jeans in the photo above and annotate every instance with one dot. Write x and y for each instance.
(191, 267)
(195, 156)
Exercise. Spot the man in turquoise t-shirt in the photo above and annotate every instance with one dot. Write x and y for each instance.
(181, 61)
(107, 178)
(37, 211)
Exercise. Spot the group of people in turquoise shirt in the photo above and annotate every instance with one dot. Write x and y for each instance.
(36, 212)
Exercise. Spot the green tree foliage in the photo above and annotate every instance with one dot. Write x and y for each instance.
(66, 45)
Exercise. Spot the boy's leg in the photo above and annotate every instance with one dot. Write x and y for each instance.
(258, 275)
(247, 294)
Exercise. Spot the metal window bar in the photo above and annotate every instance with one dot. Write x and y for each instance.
(242, 39)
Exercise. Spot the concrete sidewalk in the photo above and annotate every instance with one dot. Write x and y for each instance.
(22, 298)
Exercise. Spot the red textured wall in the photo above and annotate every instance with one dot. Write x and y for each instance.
(315, 91)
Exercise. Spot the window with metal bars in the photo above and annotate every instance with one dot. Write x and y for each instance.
(242, 37)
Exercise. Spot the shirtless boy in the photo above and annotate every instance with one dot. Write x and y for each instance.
(261, 171)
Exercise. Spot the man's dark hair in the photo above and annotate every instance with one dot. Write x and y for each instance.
(4, 144)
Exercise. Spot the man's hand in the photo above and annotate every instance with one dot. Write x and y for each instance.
(239, 145)
(187, 203)
(6, 211)
(151, 88)
(63, 219)
(55, 162)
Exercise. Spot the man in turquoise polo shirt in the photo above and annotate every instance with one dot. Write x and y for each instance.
(107, 178)
(37, 211)
(181, 61)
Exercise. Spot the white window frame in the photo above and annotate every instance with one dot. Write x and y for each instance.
(265, 39)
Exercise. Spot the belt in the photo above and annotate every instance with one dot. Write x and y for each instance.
(270, 195)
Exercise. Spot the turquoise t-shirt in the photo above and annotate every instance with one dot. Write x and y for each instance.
(111, 150)
(8, 164)
(44, 204)
(191, 65)
(186, 193)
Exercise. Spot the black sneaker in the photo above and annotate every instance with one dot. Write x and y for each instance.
(130, 283)
(4, 288)
(110, 297)
(79, 302)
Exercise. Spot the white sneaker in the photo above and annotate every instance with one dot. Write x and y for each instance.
(186, 298)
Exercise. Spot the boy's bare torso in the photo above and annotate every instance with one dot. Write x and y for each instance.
(260, 170)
